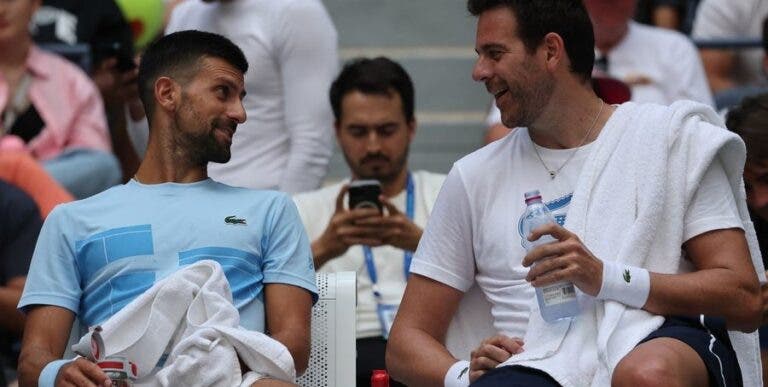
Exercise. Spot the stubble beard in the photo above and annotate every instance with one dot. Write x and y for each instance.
(531, 96)
(199, 146)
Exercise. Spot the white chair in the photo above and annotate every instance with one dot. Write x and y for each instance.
(333, 355)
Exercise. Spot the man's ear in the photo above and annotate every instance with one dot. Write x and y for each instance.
(167, 93)
(554, 50)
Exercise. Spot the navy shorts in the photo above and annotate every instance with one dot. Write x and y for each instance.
(763, 337)
(515, 376)
(709, 338)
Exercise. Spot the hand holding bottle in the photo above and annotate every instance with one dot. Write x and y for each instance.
(567, 259)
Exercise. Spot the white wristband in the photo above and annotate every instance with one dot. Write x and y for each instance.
(457, 375)
(626, 284)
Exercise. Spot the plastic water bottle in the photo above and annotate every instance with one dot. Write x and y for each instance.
(556, 301)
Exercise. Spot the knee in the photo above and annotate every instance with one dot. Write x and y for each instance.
(645, 372)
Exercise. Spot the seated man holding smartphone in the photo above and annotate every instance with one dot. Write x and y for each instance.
(372, 224)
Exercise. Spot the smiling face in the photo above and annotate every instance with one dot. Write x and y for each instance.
(209, 111)
(520, 85)
(374, 135)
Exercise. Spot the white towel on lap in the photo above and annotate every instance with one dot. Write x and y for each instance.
(189, 317)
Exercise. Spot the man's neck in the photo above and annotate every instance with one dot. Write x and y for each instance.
(163, 164)
(573, 117)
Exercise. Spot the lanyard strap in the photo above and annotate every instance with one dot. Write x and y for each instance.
(407, 255)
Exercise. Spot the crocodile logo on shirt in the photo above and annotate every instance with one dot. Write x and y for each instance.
(232, 219)
(627, 276)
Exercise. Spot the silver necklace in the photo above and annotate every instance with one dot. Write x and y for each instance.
(553, 173)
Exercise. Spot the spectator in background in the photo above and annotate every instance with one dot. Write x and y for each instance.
(373, 103)
(99, 24)
(21, 170)
(659, 65)
(20, 225)
(661, 13)
(286, 143)
(23, 183)
(733, 72)
(750, 121)
(51, 109)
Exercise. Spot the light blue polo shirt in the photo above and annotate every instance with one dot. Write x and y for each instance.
(96, 255)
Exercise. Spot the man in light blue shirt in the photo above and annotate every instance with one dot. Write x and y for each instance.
(96, 255)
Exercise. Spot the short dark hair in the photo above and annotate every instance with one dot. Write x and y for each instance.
(750, 121)
(373, 76)
(178, 54)
(537, 18)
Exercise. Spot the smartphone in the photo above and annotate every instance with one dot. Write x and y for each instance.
(117, 50)
(365, 194)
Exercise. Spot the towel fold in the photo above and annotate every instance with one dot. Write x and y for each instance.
(187, 326)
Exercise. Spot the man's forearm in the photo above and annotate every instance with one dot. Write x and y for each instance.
(416, 359)
(31, 363)
(10, 318)
(319, 254)
(307, 164)
(714, 292)
(718, 65)
(299, 346)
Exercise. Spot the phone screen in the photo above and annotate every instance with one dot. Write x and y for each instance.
(365, 194)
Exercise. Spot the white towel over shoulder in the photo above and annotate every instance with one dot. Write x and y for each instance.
(661, 163)
(189, 317)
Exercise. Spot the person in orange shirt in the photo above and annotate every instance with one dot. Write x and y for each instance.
(21, 170)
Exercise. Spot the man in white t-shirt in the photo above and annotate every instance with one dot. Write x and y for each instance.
(650, 229)
(286, 142)
(373, 101)
(659, 65)
(723, 20)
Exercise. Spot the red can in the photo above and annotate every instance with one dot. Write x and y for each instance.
(380, 378)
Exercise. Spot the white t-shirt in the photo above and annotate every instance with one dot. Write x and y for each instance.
(476, 224)
(291, 47)
(316, 209)
(729, 19)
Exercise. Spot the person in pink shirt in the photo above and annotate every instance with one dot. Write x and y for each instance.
(51, 109)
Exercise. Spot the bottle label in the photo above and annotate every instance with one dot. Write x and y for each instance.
(558, 293)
